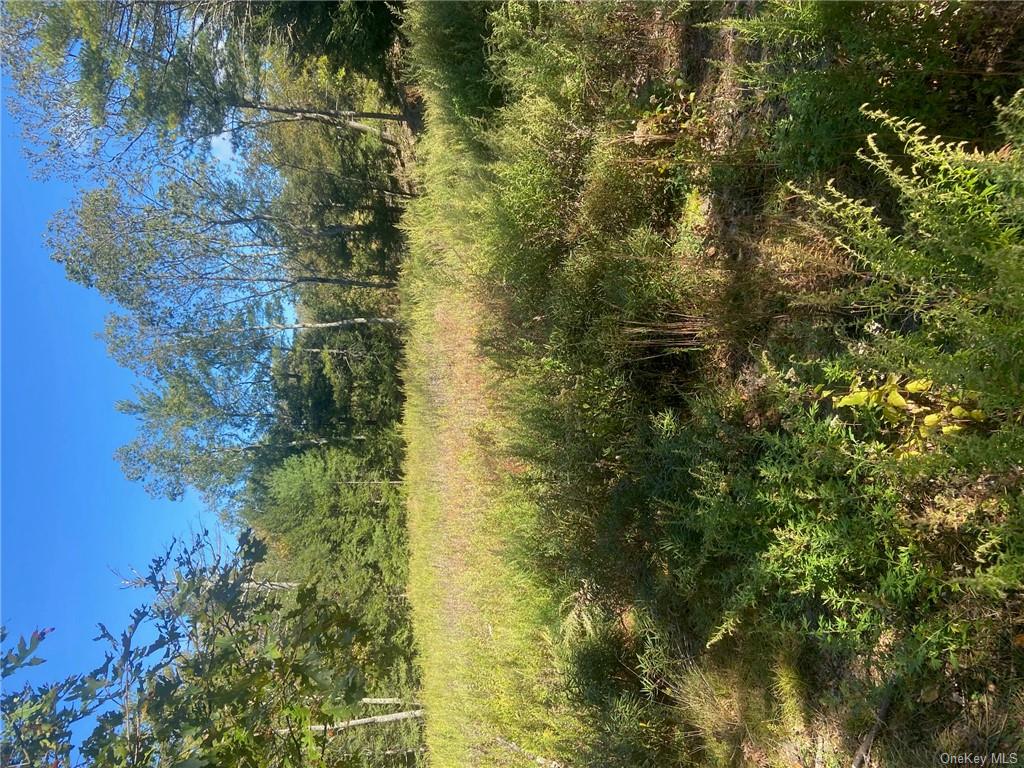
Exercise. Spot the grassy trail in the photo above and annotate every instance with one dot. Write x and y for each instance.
(483, 627)
(447, 404)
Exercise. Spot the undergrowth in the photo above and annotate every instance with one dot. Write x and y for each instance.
(762, 434)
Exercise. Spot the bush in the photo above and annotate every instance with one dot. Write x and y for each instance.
(943, 63)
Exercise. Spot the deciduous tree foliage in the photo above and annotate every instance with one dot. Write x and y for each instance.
(93, 72)
(209, 274)
(200, 246)
(215, 670)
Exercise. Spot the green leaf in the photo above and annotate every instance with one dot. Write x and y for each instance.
(919, 385)
(892, 415)
(895, 399)
(854, 399)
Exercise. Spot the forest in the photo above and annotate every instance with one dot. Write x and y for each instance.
(590, 385)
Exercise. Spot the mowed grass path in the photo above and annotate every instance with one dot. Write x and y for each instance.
(483, 629)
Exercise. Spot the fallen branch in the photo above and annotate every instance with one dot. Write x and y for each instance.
(861, 756)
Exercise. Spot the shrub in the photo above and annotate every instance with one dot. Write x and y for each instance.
(943, 63)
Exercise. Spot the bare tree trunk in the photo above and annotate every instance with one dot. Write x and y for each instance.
(346, 323)
(347, 282)
(396, 702)
(320, 113)
(375, 720)
(258, 446)
(333, 118)
(332, 230)
(370, 482)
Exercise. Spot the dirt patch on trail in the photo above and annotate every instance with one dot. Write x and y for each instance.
(456, 386)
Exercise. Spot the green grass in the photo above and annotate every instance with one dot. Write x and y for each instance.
(483, 626)
(733, 459)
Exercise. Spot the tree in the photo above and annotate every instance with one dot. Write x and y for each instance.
(233, 677)
(360, 32)
(209, 398)
(192, 247)
(209, 277)
(97, 76)
(37, 721)
(341, 518)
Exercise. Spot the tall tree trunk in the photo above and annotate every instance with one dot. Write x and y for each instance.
(375, 720)
(313, 441)
(319, 112)
(348, 322)
(370, 482)
(385, 701)
(348, 282)
(299, 280)
(330, 231)
(333, 118)
(345, 281)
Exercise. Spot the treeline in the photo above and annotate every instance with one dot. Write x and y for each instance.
(241, 169)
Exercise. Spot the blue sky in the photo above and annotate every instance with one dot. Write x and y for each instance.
(68, 515)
